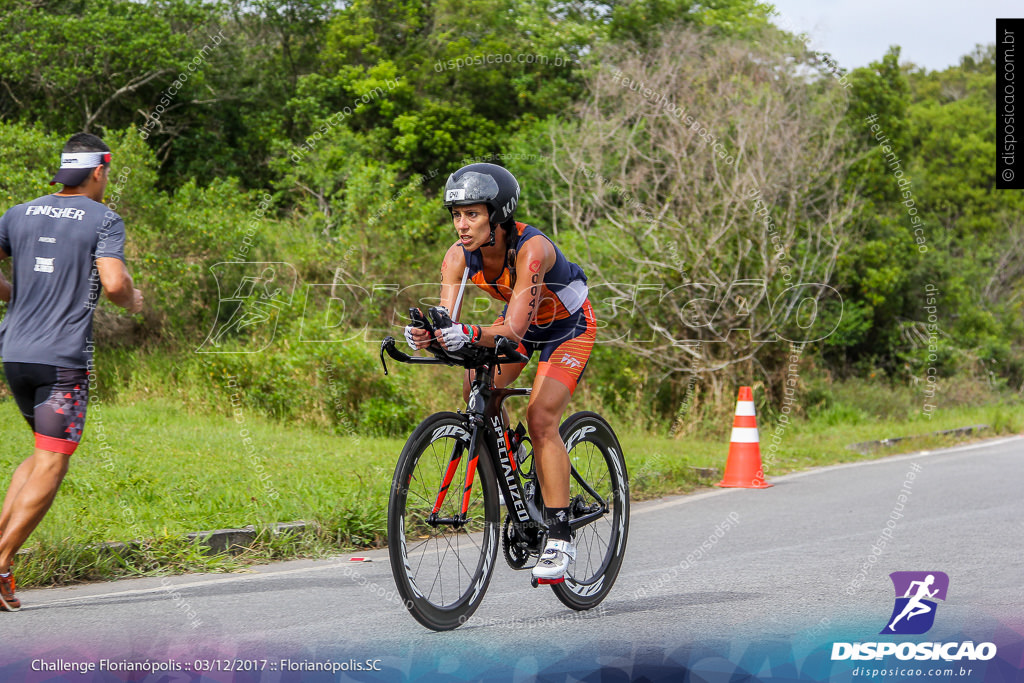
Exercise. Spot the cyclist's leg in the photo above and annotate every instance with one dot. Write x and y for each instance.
(562, 362)
(548, 401)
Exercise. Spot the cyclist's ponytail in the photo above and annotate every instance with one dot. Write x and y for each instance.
(511, 250)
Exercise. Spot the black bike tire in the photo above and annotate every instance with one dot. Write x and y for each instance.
(431, 615)
(577, 595)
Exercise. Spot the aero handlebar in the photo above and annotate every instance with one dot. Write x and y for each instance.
(504, 350)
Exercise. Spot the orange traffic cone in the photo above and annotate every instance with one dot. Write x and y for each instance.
(743, 469)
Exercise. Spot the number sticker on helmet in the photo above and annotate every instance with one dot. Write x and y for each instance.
(456, 195)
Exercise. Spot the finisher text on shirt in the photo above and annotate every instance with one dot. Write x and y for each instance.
(55, 212)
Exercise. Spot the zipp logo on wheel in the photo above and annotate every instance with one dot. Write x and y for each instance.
(449, 430)
(916, 595)
(578, 435)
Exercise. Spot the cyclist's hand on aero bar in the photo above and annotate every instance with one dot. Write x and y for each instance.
(458, 335)
(452, 335)
(416, 338)
(418, 334)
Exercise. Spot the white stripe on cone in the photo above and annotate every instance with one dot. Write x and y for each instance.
(744, 435)
(744, 408)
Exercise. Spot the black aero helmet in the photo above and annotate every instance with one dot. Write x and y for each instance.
(488, 184)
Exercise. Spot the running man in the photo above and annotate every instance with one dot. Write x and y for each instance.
(63, 247)
(914, 606)
(546, 310)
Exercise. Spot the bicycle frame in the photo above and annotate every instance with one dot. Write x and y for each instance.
(487, 433)
(484, 413)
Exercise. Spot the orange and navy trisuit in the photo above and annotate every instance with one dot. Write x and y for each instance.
(565, 327)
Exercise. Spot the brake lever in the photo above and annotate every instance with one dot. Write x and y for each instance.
(389, 345)
(383, 346)
(509, 349)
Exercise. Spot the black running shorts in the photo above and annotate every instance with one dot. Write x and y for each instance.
(52, 401)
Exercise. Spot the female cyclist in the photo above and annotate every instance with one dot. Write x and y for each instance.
(546, 310)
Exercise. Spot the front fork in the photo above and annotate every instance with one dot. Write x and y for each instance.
(453, 466)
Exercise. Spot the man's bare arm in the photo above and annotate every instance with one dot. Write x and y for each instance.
(5, 286)
(118, 284)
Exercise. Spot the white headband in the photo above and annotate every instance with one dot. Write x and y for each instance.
(84, 159)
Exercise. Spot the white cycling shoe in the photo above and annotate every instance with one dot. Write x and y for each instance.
(554, 561)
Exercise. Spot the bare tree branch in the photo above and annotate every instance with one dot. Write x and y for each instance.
(708, 169)
(129, 87)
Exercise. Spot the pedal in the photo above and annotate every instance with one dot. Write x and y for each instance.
(560, 579)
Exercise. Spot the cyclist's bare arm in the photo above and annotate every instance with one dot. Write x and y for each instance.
(452, 268)
(532, 262)
(5, 286)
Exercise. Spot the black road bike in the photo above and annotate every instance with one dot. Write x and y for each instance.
(444, 511)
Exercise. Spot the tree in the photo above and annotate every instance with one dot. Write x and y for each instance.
(89, 65)
(643, 21)
(876, 271)
(466, 85)
(718, 175)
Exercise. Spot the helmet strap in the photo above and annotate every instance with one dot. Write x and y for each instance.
(491, 243)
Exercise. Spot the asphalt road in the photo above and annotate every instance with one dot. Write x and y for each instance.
(762, 581)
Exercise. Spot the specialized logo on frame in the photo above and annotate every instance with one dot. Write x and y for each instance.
(917, 596)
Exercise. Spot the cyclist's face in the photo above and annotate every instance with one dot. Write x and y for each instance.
(472, 224)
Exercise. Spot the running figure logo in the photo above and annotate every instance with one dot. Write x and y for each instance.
(251, 298)
(916, 592)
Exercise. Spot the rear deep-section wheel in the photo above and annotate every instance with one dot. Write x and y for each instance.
(442, 561)
(598, 492)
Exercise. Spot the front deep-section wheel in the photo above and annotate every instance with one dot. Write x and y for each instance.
(441, 559)
(599, 505)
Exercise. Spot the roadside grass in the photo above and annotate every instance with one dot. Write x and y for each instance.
(661, 466)
(151, 472)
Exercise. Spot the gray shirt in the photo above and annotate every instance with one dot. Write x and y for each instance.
(54, 243)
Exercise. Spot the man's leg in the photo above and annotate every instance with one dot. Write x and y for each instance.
(29, 499)
(18, 480)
